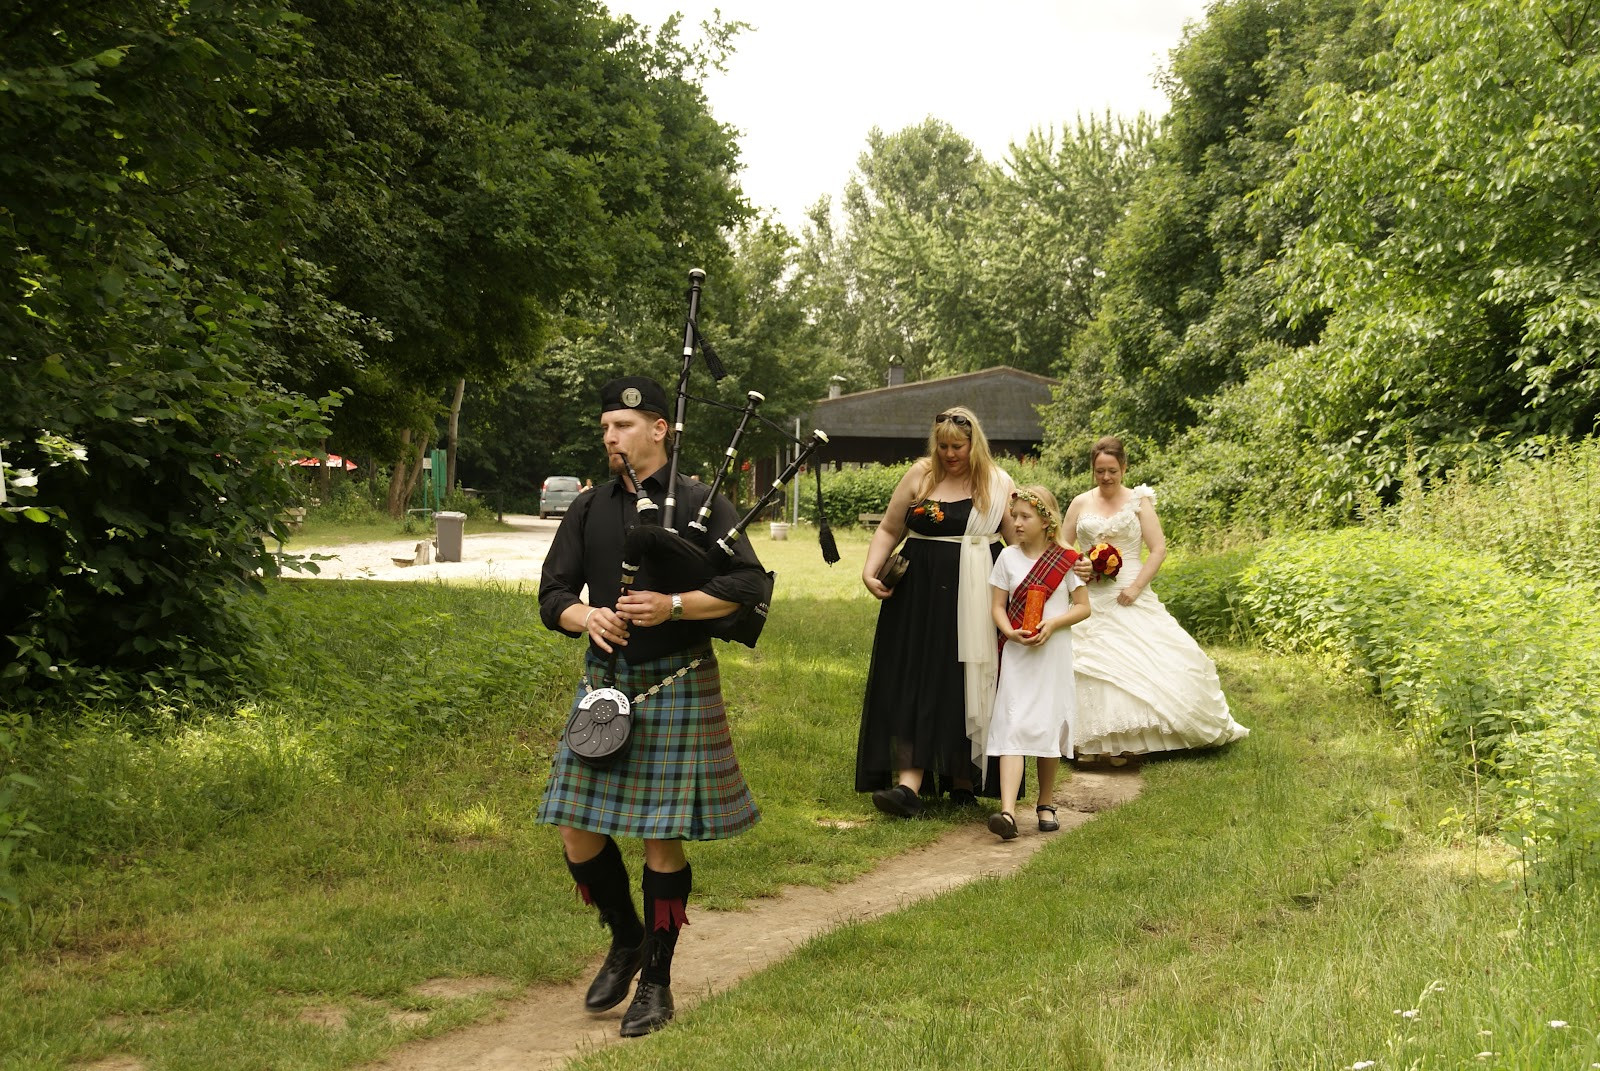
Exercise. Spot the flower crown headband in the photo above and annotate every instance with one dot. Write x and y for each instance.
(1043, 510)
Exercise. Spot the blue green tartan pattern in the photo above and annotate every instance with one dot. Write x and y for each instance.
(680, 781)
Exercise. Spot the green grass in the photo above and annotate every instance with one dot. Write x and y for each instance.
(1274, 906)
(1271, 906)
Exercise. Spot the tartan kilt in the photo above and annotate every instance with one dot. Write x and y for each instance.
(680, 780)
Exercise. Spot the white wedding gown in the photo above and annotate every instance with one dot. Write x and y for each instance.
(1144, 685)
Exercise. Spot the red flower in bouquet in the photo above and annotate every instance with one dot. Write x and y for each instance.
(929, 509)
(1106, 560)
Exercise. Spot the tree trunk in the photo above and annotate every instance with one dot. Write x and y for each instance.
(416, 469)
(403, 477)
(397, 479)
(450, 447)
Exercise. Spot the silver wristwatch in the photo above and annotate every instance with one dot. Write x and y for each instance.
(677, 609)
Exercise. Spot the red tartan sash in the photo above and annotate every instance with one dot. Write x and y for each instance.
(1048, 572)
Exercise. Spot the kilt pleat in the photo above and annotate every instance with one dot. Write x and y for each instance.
(680, 781)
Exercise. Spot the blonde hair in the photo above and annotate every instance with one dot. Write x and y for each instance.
(1052, 516)
(980, 463)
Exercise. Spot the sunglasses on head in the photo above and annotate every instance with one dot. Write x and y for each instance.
(955, 418)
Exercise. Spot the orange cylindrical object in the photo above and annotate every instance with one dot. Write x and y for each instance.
(1033, 607)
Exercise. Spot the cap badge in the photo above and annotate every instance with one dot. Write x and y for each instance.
(631, 397)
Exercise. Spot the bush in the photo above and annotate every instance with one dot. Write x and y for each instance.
(848, 493)
(1465, 661)
(350, 503)
(1206, 594)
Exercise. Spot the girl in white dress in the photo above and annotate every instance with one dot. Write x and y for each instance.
(1144, 684)
(1034, 700)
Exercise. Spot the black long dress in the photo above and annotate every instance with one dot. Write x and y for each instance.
(914, 712)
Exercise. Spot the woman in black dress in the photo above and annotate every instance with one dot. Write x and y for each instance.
(931, 684)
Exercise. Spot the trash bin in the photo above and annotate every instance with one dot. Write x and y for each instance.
(449, 526)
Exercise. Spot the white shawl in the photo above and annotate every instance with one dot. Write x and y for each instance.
(975, 635)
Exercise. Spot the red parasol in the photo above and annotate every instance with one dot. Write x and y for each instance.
(334, 462)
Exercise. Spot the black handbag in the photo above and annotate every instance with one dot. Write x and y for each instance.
(600, 730)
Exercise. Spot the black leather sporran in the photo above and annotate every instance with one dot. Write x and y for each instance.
(600, 730)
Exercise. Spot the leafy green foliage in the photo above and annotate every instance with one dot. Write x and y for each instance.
(1184, 309)
(1464, 661)
(1205, 592)
(1450, 247)
(848, 493)
(138, 440)
(946, 263)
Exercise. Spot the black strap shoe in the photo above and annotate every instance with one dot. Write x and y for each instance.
(610, 986)
(898, 801)
(651, 1010)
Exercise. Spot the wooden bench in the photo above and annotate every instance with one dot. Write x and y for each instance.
(874, 519)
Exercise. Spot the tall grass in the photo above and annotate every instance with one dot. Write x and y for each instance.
(1537, 516)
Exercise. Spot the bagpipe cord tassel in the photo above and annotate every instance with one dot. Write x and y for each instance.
(830, 546)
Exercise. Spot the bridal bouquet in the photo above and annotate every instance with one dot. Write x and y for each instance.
(1106, 560)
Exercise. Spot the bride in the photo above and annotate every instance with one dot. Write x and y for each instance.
(1144, 685)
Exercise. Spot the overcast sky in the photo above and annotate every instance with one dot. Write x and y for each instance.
(813, 76)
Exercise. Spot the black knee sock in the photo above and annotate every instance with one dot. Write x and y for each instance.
(666, 897)
(603, 882)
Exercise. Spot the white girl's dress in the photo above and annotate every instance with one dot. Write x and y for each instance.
(1035, 699)
(1144, 684)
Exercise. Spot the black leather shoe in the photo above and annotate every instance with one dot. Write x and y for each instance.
(1002, 825)
(899, 801)
(610, 986)
(651, 1010)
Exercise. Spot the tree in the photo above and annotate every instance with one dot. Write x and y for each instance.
(1183, 312)
(479, 167)
(1452, 248)
(142, 452)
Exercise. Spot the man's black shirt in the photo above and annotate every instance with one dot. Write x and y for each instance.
(588, 551)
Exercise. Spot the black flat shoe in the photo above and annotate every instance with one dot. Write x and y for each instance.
(610, 986)
(1002, 825)
(963, 797)
(651, 1010)
(1046, 825)
(898, 801)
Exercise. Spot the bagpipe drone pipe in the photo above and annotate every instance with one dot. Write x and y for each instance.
(657, 555)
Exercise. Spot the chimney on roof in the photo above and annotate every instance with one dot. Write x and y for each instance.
(897, 372)
(835, 386)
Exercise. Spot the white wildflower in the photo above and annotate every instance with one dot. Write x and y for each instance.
(1558, 1024)
(1360, 1065)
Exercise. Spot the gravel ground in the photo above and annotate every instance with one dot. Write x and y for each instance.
(510, 557)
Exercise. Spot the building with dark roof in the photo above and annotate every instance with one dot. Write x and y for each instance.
(891, 424)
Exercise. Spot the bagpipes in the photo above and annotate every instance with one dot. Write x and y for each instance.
(678, 561)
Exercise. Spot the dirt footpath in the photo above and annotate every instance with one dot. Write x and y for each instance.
(548, 1026)
(510, 557)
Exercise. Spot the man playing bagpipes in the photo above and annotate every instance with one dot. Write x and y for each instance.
(679, 779)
